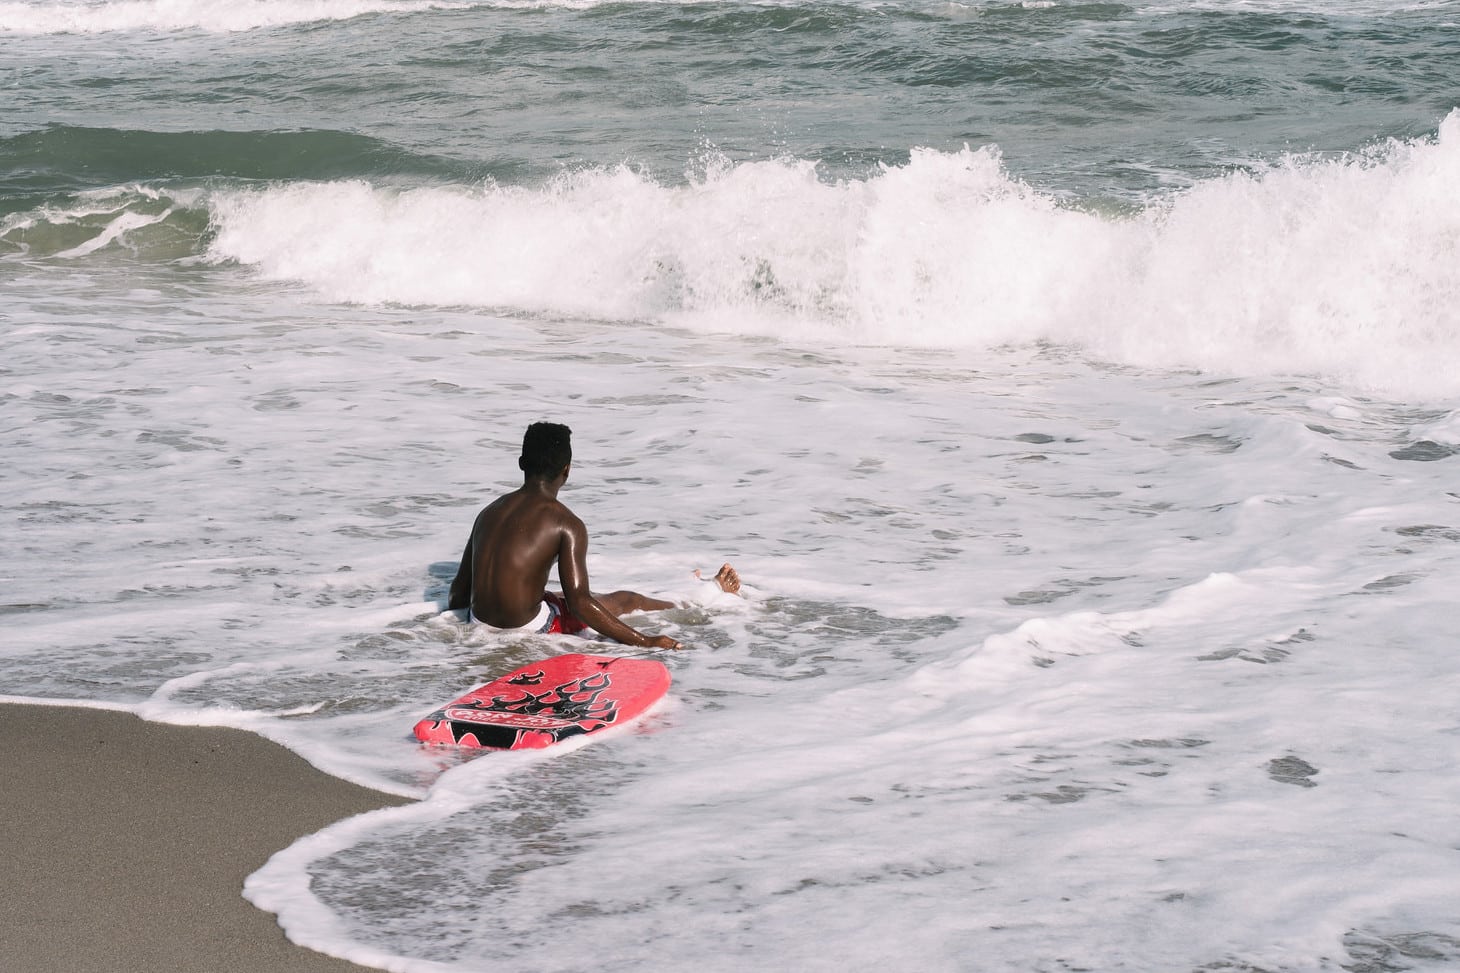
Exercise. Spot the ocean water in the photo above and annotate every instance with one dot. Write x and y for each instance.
(1075, 386)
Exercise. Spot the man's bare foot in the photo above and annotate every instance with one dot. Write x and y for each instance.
(726, 578)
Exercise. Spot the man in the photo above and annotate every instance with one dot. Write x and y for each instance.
(514, 542)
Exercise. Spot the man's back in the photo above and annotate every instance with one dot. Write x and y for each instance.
(515, 542)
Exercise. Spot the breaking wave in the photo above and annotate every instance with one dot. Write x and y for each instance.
(1344, 267)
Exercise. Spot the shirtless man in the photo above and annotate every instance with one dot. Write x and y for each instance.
(504, 569)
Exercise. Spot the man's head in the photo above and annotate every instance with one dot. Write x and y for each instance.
(547, 449)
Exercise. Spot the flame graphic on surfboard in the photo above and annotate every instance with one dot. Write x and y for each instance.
(545, 702)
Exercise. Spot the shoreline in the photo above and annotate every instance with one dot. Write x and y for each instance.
(126, 843)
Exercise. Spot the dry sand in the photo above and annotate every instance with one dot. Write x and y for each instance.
(124, 844)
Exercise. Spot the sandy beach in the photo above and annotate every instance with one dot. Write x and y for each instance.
(126, 843)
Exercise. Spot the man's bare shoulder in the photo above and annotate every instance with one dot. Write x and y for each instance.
(525, 508)
(568, 518)
(549, 510)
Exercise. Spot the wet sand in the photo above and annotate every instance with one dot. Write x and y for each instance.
(124, 844)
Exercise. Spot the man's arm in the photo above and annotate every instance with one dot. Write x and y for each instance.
(573, 575)
(460, 596)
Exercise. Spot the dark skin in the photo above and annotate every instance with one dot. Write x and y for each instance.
(513, 546)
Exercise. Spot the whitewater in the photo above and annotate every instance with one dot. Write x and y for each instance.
(1071, 384)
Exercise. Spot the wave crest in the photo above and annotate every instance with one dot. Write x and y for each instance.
(153, 225)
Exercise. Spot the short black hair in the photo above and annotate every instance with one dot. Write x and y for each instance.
(547, 449)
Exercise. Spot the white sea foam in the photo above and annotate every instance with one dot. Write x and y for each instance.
(105, 16)
(1043, 663)
(1339, 267)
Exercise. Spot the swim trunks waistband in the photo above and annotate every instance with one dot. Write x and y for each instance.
(540, 623)
(553, 618)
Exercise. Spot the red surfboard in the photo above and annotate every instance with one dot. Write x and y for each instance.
(549, 701)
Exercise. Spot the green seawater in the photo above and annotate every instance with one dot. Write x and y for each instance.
(1091, 99)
